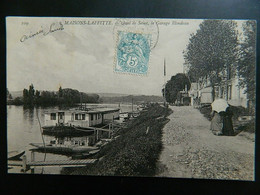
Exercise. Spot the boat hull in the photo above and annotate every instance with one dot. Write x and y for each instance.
(63, 149)
(63, 131)
(15, 155)
(84, 155)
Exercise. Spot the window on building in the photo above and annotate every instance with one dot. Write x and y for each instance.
(222, 92)
(229, 92)
(92, 117)
(53, 116)
(216, 91)
(229, 73)
(76, 116)
(83, 117)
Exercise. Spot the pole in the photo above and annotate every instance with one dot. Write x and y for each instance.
(32, 170)
(164, 90)
(32, 156)
(42, 137)
(132, 104)
(227, 75)
(81, 101)
(164, 93)
(109, 133)
(112, 132)
(95, 135)
(24, 163)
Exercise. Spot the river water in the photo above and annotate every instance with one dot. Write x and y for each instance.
(23, 128)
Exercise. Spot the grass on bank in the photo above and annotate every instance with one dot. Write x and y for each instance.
(135, 152)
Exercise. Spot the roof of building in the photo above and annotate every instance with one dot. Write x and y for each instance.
(90, 111)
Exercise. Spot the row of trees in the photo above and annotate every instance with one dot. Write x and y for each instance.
(10, 100)
(213, 53)
(218, 49)
(66, 97)
(130, 98)
(247, 61)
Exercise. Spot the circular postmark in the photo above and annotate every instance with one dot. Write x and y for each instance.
(144, 26)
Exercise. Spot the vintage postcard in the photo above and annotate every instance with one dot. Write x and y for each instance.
(131, 97)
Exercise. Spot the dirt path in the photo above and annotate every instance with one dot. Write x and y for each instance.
(192, 151)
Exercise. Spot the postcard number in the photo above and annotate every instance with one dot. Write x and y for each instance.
(25, 23)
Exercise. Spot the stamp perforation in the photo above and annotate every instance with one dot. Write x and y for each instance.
(116, 55)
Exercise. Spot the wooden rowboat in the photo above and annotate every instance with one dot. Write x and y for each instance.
(84, 155)
(15, 155)
(63, 149)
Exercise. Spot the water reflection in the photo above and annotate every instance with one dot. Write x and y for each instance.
(23, 128)
(28, 113)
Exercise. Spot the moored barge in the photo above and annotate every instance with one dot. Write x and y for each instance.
(78, 121)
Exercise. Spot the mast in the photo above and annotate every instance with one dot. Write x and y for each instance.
(81, 107)
(132, 104)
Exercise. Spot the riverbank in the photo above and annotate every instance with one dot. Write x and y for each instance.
(192, 151)
(136, 149)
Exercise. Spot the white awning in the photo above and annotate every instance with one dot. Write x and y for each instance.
(206, 90)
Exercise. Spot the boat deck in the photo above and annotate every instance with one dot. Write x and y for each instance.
(64, 163)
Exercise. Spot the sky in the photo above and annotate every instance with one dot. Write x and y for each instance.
(82, 55)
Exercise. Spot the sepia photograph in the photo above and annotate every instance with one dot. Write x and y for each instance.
(142, 97)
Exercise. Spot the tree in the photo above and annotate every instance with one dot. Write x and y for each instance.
(28, 95)
(212, 50)
(31, 93)
(8, 95)
(37, 94)
(17, 101)
(247, 62)
(176, 84)
(37, 97)
(60, 92)
(25, 96)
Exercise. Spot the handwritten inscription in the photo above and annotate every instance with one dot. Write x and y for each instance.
(53, 28)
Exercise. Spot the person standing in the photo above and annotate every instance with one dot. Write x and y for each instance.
(227, 122)
(216, 125)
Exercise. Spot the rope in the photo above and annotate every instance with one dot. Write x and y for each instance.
(103, 126)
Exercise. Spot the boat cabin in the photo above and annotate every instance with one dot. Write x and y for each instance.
(80, 118)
